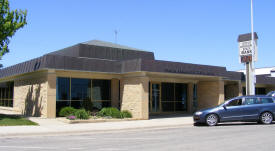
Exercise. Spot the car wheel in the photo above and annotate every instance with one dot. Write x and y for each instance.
(266, 118)
(212, 120)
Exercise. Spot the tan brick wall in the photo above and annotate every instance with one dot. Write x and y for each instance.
(51, 94)
(30, 95)
(210, 93)
(135, 96)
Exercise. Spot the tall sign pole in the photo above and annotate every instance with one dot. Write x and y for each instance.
(248, 52)
(251, 80)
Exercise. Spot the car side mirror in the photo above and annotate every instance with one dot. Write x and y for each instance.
(224, 106)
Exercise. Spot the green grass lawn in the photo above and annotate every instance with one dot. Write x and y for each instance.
(13, 120)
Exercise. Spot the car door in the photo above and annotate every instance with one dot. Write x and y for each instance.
(232, 110)
(250, 109)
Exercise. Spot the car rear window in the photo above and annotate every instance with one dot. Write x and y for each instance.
(266, 100)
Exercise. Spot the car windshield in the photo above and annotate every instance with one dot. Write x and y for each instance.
(225, 102)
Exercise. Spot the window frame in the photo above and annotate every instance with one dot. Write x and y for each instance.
(239, 104)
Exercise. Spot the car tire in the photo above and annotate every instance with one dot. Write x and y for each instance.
(266, 118)
(211, 120)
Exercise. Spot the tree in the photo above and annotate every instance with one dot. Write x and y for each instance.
(10, 22)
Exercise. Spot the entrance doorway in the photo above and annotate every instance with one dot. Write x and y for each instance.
(167, 97)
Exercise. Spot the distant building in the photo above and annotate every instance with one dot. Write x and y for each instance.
(264, 80)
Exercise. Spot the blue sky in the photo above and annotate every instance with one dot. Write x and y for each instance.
(191, 31)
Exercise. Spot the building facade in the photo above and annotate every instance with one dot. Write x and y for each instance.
(98, 74)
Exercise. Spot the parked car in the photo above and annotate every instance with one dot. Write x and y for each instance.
(243, 108)
(271, 93)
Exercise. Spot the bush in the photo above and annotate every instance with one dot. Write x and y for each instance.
(81, 114)
(110, 111)
(126, 114)
(66, 111)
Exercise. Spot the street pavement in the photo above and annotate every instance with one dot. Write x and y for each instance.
(225, 137)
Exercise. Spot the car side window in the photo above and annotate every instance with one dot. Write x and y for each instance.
(249, 101)
(236, 102)
(266, 100)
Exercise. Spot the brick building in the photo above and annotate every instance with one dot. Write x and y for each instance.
(98, 74)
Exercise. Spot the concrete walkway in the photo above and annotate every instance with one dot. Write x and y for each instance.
(53, 126)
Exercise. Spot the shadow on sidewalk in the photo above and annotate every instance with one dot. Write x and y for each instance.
(174, 115)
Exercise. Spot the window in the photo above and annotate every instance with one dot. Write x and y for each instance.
(77, 93)
(81, 89)
(260, 91)
(236, 102)
(249, 101)
(6, 94)
(266, 100)
(173, 97)
(181, 96)
(63, 89)
(101, 93)
(195, 101)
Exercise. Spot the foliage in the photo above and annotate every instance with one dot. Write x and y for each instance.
(66, 111)
(109, 111)
(13, 120)
(81, 114)
(114, 113)
(88, 106)
(71, 117)
(126, 114)
(10, 22)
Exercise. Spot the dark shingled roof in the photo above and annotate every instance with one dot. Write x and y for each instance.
(265, 79)
(247, 37)
(98, 56)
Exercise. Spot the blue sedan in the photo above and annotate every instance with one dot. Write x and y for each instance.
(243, 108)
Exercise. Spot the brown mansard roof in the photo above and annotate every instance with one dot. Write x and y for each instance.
(100, 56)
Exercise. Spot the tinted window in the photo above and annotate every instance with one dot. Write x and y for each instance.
(101, 89)
(63, 89)
(249, 101)
(260, 91)
(236, 102)
(167, 92)
(266, 100)
(6, 94)
(80, 89)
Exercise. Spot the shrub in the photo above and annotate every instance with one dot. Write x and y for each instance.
(81, 114)
(110, 111)
(126, 114)
(66, 111)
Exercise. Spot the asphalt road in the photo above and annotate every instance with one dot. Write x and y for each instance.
(226, 137)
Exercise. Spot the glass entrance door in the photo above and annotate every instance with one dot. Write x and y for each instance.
(155, 97)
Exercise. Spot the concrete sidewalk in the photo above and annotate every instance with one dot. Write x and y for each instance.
(53, 126)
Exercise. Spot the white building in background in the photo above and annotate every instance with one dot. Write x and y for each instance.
(263, 71)
(264, 79)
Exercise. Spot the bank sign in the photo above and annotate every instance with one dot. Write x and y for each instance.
(245, 51)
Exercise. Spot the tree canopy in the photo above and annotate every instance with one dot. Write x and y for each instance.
(10, 22)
